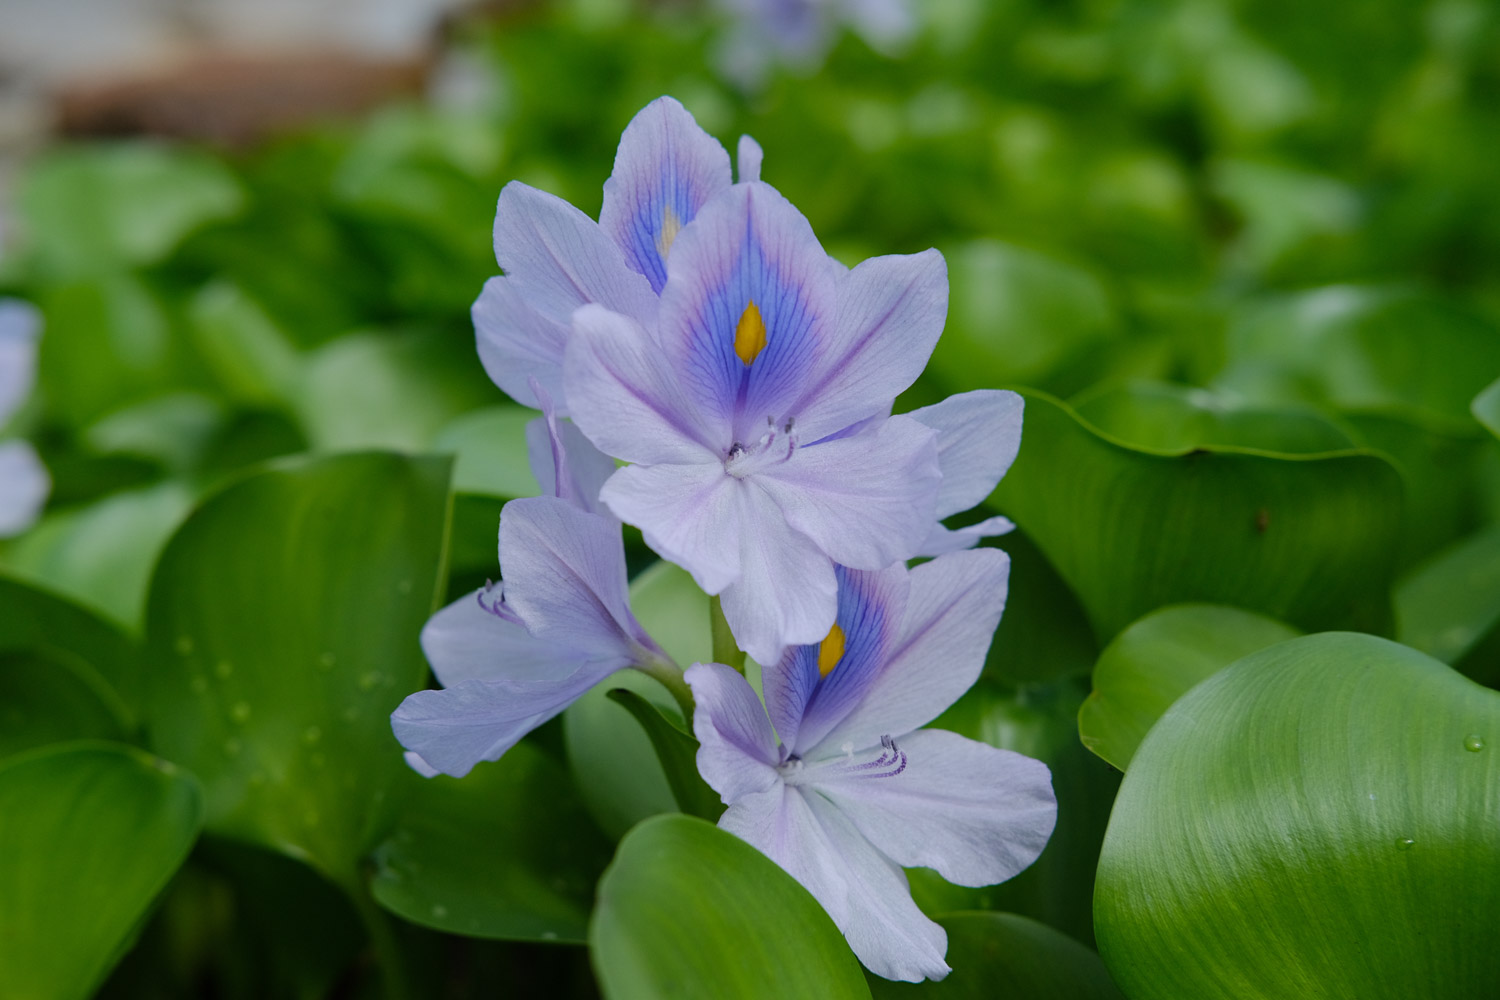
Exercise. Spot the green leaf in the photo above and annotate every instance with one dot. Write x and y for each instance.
(1031, 959)
(461, 858)
(48, 698)
(1160, 416)
(1315, 820)
(1486, 407)
(37, 621)
(89, 835)
(1446, 606)
(1044, 633)
(91, 209)
(489, 449)
(387, 390)
(282, 630)
(1018, 316)
(102, 555)
(611, 757)
(254, 361)
(1309, 540)
(1156, 661)
(688, 910)
(678, 753)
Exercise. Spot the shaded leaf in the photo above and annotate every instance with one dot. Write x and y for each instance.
(678, 753)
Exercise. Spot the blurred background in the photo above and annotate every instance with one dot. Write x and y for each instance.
(254, 228)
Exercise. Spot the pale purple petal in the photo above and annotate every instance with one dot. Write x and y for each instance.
(20, 325)
(737, 752)
(885, 24)
(749, 245)
(748, 159)
(468, 641)
(566, 464)
(979, 434)
(786, 594)
(24, 485)
(865, 894)
(459, 726)
(564, 575)
(691, 515)
(803, 704)
(951, 614)
(665, 170)
(518, 345)
(560, 259)
(416, 763)
(625, 397)
(941, 540)
(867, 500)
(890, 314)
(975, 814)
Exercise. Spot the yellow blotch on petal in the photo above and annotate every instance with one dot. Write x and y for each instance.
(670, 227)
(831, 651)
(749, 334)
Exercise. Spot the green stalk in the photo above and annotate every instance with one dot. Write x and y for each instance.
(395, 973)
(726, 650)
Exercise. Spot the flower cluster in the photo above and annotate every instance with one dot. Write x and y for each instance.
(700, 334)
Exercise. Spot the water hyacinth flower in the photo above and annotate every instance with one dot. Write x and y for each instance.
(557, 259)
(512, 656)
(855, 790)
(24, 482)
(799, 33)
(754, 411)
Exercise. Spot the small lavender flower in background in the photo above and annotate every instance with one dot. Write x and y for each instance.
(512, 656)
(856, 790)
(753, 409)
(24, 483)
(799, 33)
(556, 258)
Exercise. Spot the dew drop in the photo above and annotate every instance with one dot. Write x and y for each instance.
(326, 661)
(240, 712)
(351, 714)
(317, 760)
(404, 587)
(311, 817)
(257, 778)
(311, 735)
(549, 935)
(1473, 743)
(223, 669)
(371, 680)
(232, 748)
(439, 911)
(184, 645)
(199, 684)
(1405, 844)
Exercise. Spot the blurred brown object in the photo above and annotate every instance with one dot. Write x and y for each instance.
(237, 99)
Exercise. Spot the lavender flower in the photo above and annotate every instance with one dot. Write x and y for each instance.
(24, 482)
(856, 790)
(556, 258)
(512, 656)
(754, 409)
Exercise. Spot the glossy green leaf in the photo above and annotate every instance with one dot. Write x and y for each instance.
(283, 629)
(688, 910)
(102, 555)
(994, 954)
(1156, 661)
(1486, 407)
(1449, 604)
(611, 757)
(678, 752)
(89, 835)
(1160, 416)
(125, 205)
(1307, 539)
(254, 361)
(38, 621)
(1044, 633)
(174, 429)
(1317, 819)
(505, 852)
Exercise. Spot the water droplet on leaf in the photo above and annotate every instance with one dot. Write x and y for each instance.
(232, 748)
(311, 735)
(1473, 743)
(184, 645)
(1405, 844)
(240, 712)
(223, 669)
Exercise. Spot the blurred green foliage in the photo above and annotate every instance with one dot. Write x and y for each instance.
(1244, 256)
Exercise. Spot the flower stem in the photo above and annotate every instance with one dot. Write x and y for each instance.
(726, 650)
(669, 675)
